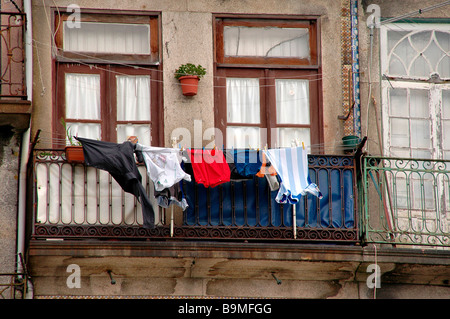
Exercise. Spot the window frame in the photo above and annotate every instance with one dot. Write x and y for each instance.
(269, 69)
(107, 66)
(410, 82)
(108, 99)
(125, 17)
(310, 23)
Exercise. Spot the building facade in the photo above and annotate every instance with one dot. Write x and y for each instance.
(362, 85)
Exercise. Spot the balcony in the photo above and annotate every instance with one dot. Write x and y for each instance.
(406, 201)
(12, 54)
(234, 239)
(73, 201)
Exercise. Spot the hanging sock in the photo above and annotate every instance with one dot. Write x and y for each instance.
(291, 165)
(119, 161)
(163, 165)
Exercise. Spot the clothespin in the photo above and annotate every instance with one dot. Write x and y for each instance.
(303, 145)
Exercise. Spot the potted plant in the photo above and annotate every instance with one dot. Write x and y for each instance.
(189, 74)
(74, 151)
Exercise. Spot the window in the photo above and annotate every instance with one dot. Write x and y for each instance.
(267, 83)
(415, 66)
(119, 37)
(416, 70)
(108, 78)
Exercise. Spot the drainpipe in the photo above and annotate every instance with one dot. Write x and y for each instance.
(25, 147)
(355, 68)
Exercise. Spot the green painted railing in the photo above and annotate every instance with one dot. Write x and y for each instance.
(406, 201)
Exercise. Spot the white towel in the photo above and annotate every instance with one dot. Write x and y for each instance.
(291, 165)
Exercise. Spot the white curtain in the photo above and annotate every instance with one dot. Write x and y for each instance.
(83, 103)
(133, 104)
(288, 135)
(243, 137)
(133, 98)
(292, 101)
(97, 37)
(82, 96)
(141, 131)
(243, 106)
(267, 41)
(243, 100)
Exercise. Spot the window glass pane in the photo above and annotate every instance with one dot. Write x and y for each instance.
(142, 131)
(287, 136)
(243, 137)
(405, 53)
(421, 40)
(420, 67)
(420, 133)
(398, 102)
(394, 37)
(399, 132)
(97, 37)
(87, 130)
(292, 101)
(446, 103)
(446, 135)
(266, 42)
(418, 103)
(400, 152)
(444, 67)
(243, 100)
(133, 98)
(82, 96)
(421, 154)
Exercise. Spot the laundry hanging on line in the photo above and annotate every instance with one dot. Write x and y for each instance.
(210, 167)
(163, 166)
(291, 165)
(247, 161)
(119, 160)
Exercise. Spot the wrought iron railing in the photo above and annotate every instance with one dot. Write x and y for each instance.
(15, 285)
(76, 201)
(12, 55)
(406, 201)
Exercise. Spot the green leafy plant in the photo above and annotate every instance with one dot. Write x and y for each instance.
(72, 141)
(190, 69)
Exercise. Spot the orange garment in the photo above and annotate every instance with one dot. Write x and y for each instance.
(264, 170)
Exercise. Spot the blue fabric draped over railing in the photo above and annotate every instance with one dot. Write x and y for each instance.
(249, 202)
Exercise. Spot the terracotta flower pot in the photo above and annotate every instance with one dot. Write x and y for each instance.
(189, 84)
(74, 154)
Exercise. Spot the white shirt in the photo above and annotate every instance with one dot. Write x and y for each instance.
(163, 166)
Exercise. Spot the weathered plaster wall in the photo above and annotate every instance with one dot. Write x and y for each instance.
(187, 36)
(9, 175)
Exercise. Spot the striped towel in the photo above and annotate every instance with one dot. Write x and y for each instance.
(291, 165)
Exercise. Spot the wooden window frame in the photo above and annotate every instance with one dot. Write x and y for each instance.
(107, 65)
(108, 99)
(146, 18)
(268, 107)
(310, 23)
(269, 69)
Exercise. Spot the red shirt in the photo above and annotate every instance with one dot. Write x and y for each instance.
(209, 166)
